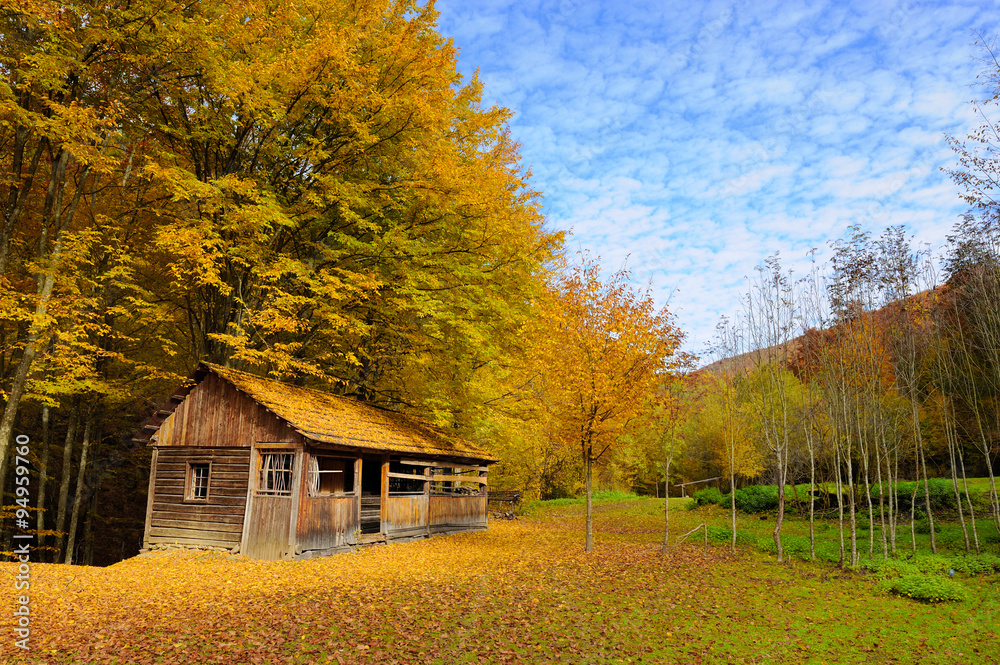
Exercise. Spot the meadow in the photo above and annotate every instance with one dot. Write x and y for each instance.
(522, 592)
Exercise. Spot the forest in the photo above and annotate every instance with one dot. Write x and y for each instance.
(315, 194)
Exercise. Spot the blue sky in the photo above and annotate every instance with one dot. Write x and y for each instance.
(693, 139)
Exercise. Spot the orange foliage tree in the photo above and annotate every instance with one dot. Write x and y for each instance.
(602, 350)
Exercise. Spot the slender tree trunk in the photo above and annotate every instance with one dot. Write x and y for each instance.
(840, 504)
(781, 509)
(881, 508)
(952, 462)
(892, 471)
(43, 473)
(913, 506)
(871, 510)
(80, 487)
(66, 472)
(968, 499)
(853, 511)
(88, 524)
(732, 507)
(927, 499)
(588, 461)
(666, 508)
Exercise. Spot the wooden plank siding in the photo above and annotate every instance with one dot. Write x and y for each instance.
(327, 523)
(216, 522)
(457, 513)
(215, 413)
(268, 523)
(405, 516)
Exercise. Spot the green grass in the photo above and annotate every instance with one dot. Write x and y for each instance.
(749, 608)
(600, 496)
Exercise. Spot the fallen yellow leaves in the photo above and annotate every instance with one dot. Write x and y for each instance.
(522, 592)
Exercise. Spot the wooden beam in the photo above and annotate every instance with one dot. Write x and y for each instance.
(461, 479)
(406, 476)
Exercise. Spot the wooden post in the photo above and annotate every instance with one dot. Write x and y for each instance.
(357, 494)
(149, 501)
(484, 492)
(428, 472)
(253, 472)
(298, 487)
(384, 503)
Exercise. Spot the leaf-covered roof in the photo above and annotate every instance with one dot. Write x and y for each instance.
(327, 418)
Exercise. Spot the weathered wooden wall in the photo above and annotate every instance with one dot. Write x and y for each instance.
(267, 527)
(327, 522)
(217, 522)
(405, 515)
(457, 513)
(215, 413)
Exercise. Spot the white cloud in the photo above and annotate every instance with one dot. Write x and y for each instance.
(698, 138)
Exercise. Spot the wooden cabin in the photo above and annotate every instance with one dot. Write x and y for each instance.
(276, 471)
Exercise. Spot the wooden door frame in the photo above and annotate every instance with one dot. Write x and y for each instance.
(296, 449)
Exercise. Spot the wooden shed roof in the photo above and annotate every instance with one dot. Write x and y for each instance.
(326, 418)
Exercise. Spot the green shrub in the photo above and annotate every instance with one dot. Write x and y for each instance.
(929, 588)
(951, 536)
(828, 552)
(721, 535)
(757, 499)
(795, 545)
(987, 535)
(708, 496)
(889, 568)
(976, 564)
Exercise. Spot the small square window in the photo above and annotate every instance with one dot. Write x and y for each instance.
(197, 481)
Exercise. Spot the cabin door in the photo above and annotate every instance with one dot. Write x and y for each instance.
(371, 494)
(268, 532)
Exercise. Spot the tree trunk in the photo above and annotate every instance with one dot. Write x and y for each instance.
(781, 515)
(67, 472)
(812, 503)
(852, 506)
(588, 462)
(666, 509)
(732, 507)
(43, 472)
(840, 503)
(927, 499)
(80, 484)
(88, 524)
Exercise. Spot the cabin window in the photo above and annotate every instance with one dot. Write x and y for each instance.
(196, 486)
(457, 481)
(412, 484)
(330, 476)
(275, 477)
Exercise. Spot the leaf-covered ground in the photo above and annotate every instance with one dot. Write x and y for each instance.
(523, 592)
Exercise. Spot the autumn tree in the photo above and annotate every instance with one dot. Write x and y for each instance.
(727, 398)
(769, 312)
(342, 207)
(662, 429)
(307, 190)
(602, 350)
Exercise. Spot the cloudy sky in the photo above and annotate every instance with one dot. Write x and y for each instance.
(693, 139)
